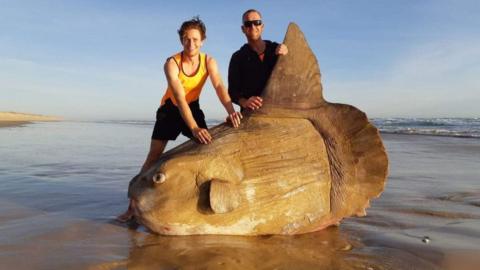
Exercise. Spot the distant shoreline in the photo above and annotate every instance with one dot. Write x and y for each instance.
(13, 123)
(12, 119)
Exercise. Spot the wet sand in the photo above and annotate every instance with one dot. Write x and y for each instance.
(427, 218)
(13, 123)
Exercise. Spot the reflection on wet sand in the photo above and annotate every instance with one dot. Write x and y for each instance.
(324, 249)
(327, 249)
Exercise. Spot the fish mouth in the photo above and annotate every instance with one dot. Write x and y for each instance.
(137, 213)
(139, 217)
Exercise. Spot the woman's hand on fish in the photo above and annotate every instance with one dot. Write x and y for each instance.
(235, 119)
(202, 135)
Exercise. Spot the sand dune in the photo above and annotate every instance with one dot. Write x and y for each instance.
(12, 119)
(14, 116)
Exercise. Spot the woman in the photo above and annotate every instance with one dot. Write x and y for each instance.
(180, 112)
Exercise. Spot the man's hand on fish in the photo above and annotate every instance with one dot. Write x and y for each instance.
(281, 49)
(253, 103)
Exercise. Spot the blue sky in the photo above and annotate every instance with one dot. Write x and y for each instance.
(104, 59)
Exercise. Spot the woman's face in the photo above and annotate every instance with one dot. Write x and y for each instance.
(192, 42)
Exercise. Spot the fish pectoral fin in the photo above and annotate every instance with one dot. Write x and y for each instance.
(224, 196)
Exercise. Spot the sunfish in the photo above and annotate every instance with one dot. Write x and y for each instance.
(297, 165)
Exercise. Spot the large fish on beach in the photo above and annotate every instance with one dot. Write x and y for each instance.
(297, 165)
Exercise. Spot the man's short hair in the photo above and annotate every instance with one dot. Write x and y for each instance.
(194, 23)
(250, 11)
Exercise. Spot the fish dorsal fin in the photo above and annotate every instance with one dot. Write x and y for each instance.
(295, 80)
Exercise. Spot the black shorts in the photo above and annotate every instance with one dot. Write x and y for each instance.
(170, 122)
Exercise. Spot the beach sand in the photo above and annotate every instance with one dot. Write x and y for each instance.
(12, 119)
(427, 218)
(13, 123)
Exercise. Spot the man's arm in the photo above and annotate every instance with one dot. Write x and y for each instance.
(234, 86)
(222, 93)
(234, 79)
(171, 72)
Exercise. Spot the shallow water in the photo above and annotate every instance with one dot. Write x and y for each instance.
(61, 185)
(451, 127)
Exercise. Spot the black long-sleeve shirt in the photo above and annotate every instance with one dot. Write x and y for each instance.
(247, 74)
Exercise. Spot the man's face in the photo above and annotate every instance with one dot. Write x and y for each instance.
(253, 32)
(192, 42)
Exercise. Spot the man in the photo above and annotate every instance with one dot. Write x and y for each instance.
(180, 112)
(251, 66)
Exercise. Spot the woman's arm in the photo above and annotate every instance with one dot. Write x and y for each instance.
(222, 92)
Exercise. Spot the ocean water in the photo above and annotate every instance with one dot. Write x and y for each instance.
(454, 127)
(62, 184)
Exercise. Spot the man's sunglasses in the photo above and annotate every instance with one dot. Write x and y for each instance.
(249, 24)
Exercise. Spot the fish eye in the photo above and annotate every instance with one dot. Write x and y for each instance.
(159, 178)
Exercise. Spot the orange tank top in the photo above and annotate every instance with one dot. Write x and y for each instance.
(192, 84)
